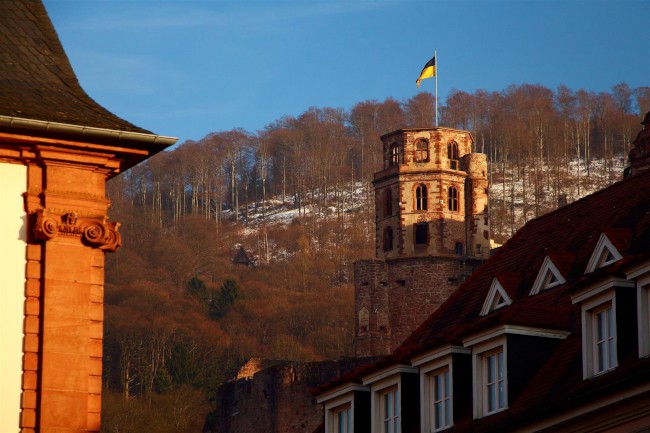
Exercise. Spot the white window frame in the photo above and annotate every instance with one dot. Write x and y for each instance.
(390, 416)
(440, 396)
(590, 309)
(487, 342)
(382, 382)
(494, 381)
(430, 364)
(480, 352)
(337, 399)
(641, 274)
(348, 419)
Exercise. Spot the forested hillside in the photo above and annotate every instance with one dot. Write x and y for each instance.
(180, 317)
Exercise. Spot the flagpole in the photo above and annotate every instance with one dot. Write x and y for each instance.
(435, 56)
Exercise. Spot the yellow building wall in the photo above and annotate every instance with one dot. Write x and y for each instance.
(13, 241)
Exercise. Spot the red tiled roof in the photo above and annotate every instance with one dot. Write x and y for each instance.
(568, 236)
(36, 79)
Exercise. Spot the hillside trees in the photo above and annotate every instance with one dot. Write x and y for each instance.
(179, 315)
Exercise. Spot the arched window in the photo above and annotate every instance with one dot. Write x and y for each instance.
(452, 199)
(388, 203)
(421, 197)
(388, 238)
(421, 151)
(395, 155)
(452, 155)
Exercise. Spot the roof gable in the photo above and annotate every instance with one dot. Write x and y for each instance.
(497, 297)
(604, 254)
(548, 276)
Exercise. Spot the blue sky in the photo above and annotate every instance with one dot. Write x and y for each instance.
(187, 68)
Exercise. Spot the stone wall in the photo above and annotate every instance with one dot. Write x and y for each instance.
(394, 296)
(278, 399)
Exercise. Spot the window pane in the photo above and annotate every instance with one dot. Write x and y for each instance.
(500, 365)
(491, 394)
(388, 399)
(490, 368)
(396, 403)
(438, 415)
(349, 419)
(502, 395)
(600, 326)
(447, 413)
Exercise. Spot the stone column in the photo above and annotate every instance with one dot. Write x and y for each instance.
(68, 235)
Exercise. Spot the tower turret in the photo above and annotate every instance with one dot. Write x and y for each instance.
(432, 230)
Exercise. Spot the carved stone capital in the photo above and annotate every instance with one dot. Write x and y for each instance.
(95, 232)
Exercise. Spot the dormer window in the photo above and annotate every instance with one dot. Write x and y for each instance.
(606, 309)
(387, 387)
(599, 335)
(549, 276)
(604, 254)
(641, 275)
(452, 155)
(437, 371)
(346, 408)
(496, 298)
(390, 413)
(490, 378)
(421, 150)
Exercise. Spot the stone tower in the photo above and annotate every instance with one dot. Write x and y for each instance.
(432, 230)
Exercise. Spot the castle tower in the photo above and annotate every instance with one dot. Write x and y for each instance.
(432, 230)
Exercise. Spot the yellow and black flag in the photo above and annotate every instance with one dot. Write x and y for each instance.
(428, 71)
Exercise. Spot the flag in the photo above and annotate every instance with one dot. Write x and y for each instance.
(428, 71)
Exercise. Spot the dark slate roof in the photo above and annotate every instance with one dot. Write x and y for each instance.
(36, 79)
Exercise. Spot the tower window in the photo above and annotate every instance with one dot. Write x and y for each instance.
(452, 199)
(388, 203)
(421, 233)
(395, 155)
(452, 155)
(388, 238)
(421, 197)
(421, 151)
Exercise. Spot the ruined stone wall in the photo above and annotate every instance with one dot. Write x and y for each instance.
(278, 399)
